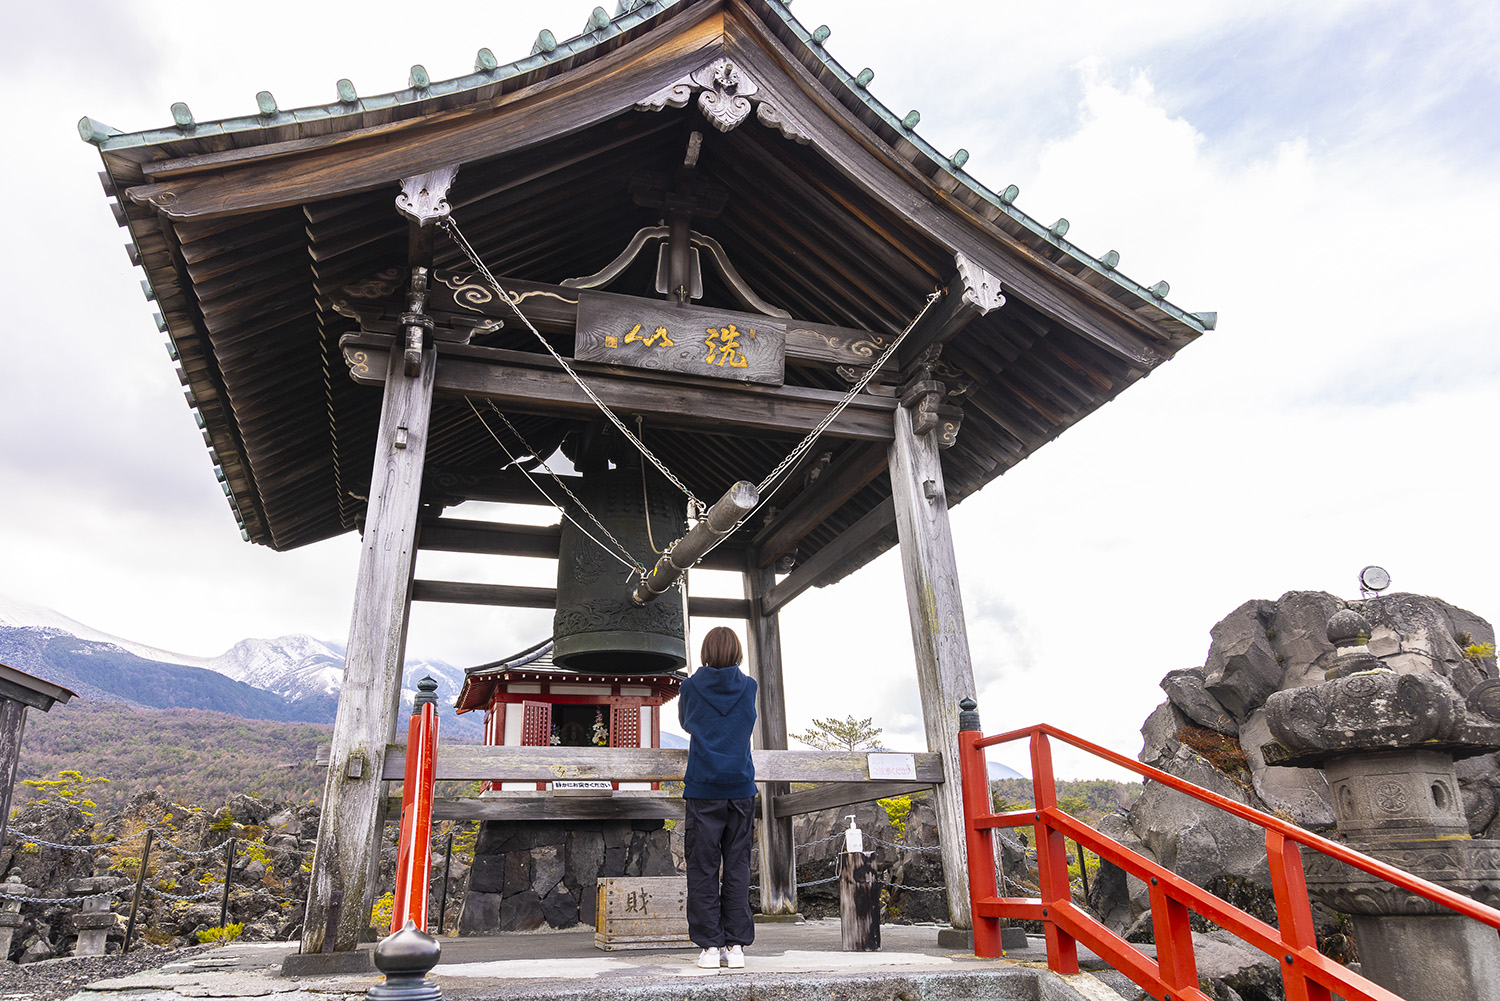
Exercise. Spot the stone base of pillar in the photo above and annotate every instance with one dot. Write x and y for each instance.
(1012, 939)
(1430, 958)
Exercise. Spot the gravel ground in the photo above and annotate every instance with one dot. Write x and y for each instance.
(55, 979)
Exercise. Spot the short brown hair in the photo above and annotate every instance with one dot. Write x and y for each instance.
(721, 648)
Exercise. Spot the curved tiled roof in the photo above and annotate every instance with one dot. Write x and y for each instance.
(351, 113)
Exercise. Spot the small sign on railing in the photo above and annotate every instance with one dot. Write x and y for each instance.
(581, 785)
(892, 766)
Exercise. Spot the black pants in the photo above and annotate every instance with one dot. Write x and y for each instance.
(717, 833)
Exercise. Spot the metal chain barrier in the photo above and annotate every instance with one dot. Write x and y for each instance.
(161, 839)
(915, 889)
(25, 840)
(904, 848)
(172, 896)
(61, 900)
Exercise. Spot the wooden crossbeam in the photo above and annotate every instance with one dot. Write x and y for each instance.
(467, 762)
(553, 309)
(529, 383)
(971, 292)
(459, 535)
(816, 570)
(533, 805)
(810, 508)
(826, 797)
(455, 592)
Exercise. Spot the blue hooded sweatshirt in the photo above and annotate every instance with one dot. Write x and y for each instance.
(717, 709)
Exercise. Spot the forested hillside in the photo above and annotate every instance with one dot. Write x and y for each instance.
(191, 755)
(1086, 799)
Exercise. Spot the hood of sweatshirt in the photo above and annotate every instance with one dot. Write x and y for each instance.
(721, 687)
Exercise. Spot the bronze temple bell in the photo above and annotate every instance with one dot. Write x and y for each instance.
(597, 628)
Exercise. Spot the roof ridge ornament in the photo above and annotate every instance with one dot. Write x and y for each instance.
(726, 95)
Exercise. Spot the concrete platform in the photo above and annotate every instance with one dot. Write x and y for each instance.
(788, 962)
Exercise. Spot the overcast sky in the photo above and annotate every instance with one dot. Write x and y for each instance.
(1322, 175)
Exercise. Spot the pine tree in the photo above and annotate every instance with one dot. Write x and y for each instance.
(847, 734)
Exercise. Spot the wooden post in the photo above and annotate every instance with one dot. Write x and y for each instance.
(12, 726)
(859, 902)
(778, 862)
(940, 642)
(369, 701)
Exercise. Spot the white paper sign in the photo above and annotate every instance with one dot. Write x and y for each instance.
(580, 784)
(892, 766)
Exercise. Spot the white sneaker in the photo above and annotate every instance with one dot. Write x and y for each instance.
(708, 959)
(734, 957)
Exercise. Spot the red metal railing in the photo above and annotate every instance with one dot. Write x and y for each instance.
(1307, 974)
(414, 850)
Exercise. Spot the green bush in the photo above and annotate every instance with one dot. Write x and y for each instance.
(227, 933)
(897, 809)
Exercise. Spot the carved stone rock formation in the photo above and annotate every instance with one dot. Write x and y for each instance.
(1261, 648)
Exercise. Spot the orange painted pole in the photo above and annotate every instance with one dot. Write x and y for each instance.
(1294, 918)
(414, 851)
(1051, 860)
(975, 788)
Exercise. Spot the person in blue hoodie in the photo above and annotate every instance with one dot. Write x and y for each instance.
(717, 709)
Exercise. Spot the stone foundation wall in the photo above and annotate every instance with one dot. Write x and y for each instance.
(530, 874)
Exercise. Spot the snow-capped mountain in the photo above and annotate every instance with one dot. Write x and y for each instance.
(289, 677)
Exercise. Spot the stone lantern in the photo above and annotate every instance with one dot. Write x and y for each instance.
(1387, 743)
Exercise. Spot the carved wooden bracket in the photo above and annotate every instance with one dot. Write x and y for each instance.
(980, 288)
(924, 396)
(416, 322)
(374, 303)
(726, 95)
(424, 197)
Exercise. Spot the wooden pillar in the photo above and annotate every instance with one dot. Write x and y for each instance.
(12, 727)
(778, 862)
(342, 888)
(940, 642)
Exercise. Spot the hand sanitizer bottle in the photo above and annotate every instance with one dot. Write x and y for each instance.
(854, 838)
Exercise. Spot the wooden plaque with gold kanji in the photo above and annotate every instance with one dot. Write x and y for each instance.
(693, 340)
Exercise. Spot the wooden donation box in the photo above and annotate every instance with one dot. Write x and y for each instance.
(642, 912)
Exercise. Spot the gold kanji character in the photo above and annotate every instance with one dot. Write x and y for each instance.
(659, 335)
(724, 342)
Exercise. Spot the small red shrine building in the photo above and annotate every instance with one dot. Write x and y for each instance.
(530, 702)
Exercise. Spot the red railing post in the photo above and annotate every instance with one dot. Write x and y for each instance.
(1051, 859)
(414, 851)
(1293, 917)
(975, 787)
(1174, 939)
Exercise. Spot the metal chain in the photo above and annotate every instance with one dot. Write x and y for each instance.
(766, 488)
(905, 848)
(629, 560)
(61, 900)
(173, 896)
(914, 889)
(820, 841)
(161, 839)
(633, 563)
(817, 882)
(640, 429)
(854, 391)
(27, 840)
(451, 228)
